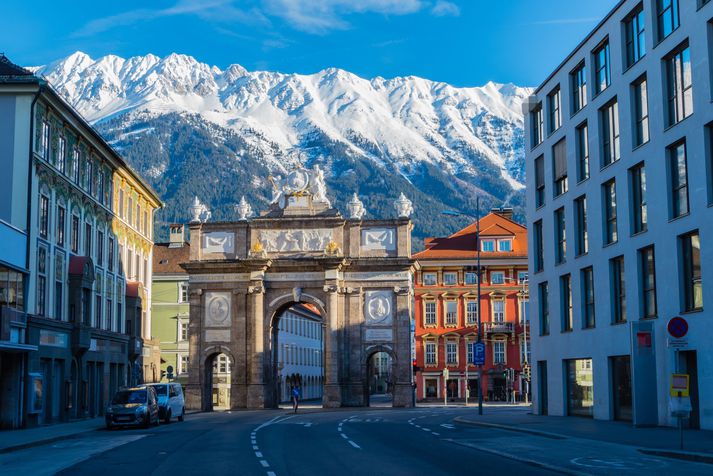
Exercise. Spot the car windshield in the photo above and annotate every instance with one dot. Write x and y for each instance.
(161, 390)
(129, 396)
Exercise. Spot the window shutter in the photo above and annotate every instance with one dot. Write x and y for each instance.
(559, 151)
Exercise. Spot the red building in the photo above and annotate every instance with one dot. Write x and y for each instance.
(446, 311)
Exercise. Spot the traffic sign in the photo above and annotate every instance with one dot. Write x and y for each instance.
(479, 353)
(677, 327)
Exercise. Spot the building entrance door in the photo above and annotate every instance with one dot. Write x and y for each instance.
(621, 387)
(688, 364)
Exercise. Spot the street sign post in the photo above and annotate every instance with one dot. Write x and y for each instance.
(445, 386)
(679, 402)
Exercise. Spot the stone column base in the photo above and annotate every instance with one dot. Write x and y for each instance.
(193, 397)
(403, 395)
(256, 395)
(332, 397)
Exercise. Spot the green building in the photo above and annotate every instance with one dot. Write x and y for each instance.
(169, 304)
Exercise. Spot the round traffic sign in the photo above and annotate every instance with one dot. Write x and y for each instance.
(677, 327)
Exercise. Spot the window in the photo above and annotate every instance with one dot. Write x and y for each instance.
(579, 87)
(641, 112)
(75, 165)
(504, 245)
(451, 353)
(59, 287)
(580, 208)
(559, 164)
(609, 115)
(183, 336)
(554, 109)
(98, 311)
(522, 308)
(471, 278)
(487, 245)
(451, 313)
(100, 186)
(544, 308)
(497, 277)
(110, 254)
(41, 281)
(498, 311)
(429, 279)
(679, 85)
(609, 196)
(587, 276)
(61, 214)
(146, 223)
(521, 277)
(667, 14)
(637, 176)
(678, 172)
(430, 313)
(691, 271)
(130, 211)
(471, 312)
(44, 215)
(74, 234)
(61, 153)
(540, 181)
(469, 351)
(182, 292)
(618, 289)
(100, 248)
(648, 281)
(450, 279)
(121, 203)
(560, 236)
(87, 239)
(538, 127)
(525, 351)
(582, 144)
(602, 73)
(580, 388)
(635, 37)
(566, 302)
(498, 352)
(45, 141)
(538, 246)
(430, 351)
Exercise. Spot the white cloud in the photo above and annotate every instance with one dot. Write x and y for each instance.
(443, 8)
(320, 16)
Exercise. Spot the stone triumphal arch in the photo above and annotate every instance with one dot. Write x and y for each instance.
(356, 272)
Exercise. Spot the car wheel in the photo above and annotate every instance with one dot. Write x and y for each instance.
(182, 415)
(168, 416)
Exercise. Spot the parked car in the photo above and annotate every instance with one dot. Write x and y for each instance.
(135, 406)
(170, 401)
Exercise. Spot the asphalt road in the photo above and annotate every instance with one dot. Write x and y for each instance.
(278, 442)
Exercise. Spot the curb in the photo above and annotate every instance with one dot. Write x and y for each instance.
(44, 441)
(532, 462)
(545, 434)
(682, 455)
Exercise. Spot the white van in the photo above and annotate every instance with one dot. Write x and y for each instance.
(170, 401)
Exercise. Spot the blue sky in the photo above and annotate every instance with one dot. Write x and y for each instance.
(462, 42)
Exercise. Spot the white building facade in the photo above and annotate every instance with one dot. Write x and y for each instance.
(619, 195)
(300, 352)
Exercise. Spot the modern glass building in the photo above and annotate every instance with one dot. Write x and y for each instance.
(619, 196)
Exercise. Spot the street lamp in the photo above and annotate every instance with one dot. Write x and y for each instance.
(480, 329)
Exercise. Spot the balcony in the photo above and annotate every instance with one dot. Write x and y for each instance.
(498, 327)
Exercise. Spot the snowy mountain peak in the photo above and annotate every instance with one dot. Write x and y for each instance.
(402, 122)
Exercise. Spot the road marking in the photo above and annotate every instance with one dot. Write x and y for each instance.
(425, 429)
(437, 434)
(258, 454)
(448, 425)
(255, 447)
(344, 436)
(264, 463)
(271, 473)
(354, 444)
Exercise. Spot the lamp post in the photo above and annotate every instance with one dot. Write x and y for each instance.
(480, 328)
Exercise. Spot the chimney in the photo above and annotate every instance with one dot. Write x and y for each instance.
(503, 212)
(176, 236)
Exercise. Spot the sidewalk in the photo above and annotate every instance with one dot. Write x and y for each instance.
(660, 439)
(12, 440)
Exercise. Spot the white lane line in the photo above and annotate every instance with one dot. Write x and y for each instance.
(264, 463)
(271, 473)
(354, 444)
(425, 429)
(258, 454)
(256, 447)
(437, 434)
(344, 436)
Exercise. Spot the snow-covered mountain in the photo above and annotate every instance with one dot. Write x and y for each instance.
(424, 134)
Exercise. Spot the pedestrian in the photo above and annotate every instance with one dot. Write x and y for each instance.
(295, 398)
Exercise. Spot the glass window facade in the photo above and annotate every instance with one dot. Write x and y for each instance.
(580, 387)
